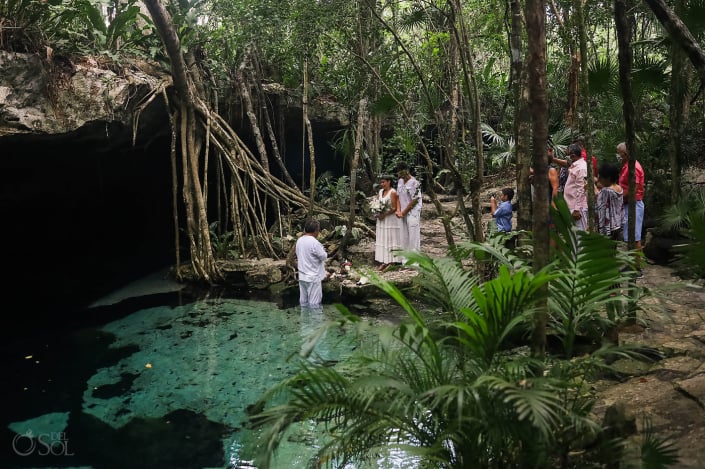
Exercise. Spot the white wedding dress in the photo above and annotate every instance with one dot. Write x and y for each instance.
(387, 233)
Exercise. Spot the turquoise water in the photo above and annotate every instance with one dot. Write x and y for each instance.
(166, 383)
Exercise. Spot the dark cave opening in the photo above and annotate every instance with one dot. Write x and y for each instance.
(80, 222)
(87, 212)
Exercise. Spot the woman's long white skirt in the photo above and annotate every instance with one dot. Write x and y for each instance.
(387, 238)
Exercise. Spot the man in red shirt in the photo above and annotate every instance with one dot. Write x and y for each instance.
(639, 196)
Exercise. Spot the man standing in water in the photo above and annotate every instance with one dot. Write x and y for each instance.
(409, 210)
(311, 258)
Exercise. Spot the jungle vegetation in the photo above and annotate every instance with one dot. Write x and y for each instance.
(458, 89)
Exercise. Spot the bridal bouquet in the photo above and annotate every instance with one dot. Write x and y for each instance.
(378, 206)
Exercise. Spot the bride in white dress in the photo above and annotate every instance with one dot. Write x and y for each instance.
(388, 225)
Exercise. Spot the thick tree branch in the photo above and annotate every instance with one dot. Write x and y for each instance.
(163, 23)
(680, 34)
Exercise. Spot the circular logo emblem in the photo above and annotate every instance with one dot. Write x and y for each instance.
(24, 445)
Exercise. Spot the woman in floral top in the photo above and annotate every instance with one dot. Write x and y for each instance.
(609, 202)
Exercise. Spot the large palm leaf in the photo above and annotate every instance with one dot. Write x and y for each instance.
(499, 307)
(588, 267)
(446, 284)
(418, 394)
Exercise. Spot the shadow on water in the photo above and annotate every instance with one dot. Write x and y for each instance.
(158, 381)
(181, 439)
(46, 370)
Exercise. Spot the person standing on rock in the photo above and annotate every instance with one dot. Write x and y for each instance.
(574, 191)
(638, 197)
(409, 209)
(502, 213)
(609, 202)
(311, 258)
(388, 226)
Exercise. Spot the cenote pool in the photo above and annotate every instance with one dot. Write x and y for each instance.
(159, 381)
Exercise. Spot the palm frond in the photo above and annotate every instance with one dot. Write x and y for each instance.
(649, 74)
(531, 400)
(495, 249)
(499, 307)
(446, 283)
(560, 139)
(693, 251)
(588, 266)
(491, 136)
(603, 77)
(656, 453)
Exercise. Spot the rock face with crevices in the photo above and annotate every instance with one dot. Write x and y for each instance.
(55, 95)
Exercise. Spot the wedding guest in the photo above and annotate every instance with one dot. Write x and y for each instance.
(574, 191)
(638, 196)
(609, 202)
(503, 213)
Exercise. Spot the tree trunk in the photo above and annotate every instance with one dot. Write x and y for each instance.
(458, 52)
(359, 132)
(309, 139)
(584, 111)
(625, 68)
(522, 118)
(677, 111)
(251, 79)
(198, 231)
(538, 106)
(244, 82)
(251, 185)
(473, 98)
(571, 112)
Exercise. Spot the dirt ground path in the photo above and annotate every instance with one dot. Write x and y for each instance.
(670, 391)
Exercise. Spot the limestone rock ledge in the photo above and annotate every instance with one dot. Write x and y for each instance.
(54, 95)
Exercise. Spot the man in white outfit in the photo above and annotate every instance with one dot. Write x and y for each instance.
(311, 258)
(409, 193)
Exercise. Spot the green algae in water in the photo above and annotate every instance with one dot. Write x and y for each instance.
(214, 358)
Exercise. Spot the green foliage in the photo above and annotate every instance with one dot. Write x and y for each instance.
(687, 219)
(499, 150)
(333, 193)
(603, 77)
(590, 267)
(22, 24)
(100, 27)
(415, 394)
(649, 74)
(656, 453)
(223, 244)
(452, 388)
(497, 308)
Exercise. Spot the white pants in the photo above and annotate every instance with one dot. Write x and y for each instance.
(310, 294)
(410, 235)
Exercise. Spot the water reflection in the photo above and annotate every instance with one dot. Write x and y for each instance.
(164, 385)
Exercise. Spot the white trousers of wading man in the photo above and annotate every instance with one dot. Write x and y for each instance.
(410, 235)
